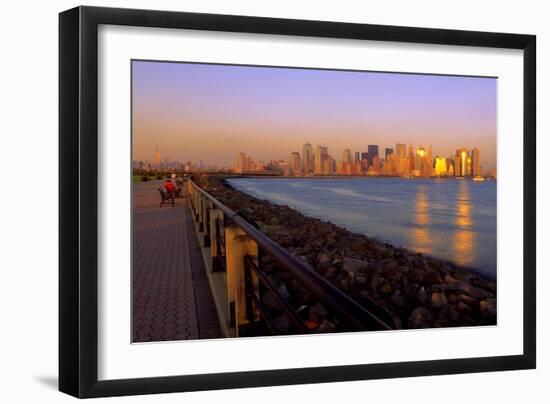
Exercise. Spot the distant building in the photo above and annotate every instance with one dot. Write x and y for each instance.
(294, 164)
(375, 166)
(411, 159)
(328, 166)
(372, 150)
(242, 163)
(346, 156)
(450, 167)
(321, 154)
(308, 164)
(388, 152)
(401, 150)
(365, 157)
(469, 166)
(461, 162)
(476, 165)
(440, 166)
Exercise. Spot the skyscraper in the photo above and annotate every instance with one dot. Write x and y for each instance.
(357, 157)
(476, 166)
(307, 159)
(440, 164)
(295, 166)
(346, 156)
(461, 162)
(388, 152)
(411, 158)
(157, 157)
(401, 150)
(242, 163)
(321, 153)
(372, 151)
(328, 165)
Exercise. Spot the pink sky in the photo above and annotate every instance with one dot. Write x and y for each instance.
(212, 112)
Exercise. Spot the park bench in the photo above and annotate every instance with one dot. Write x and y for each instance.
(166, 196)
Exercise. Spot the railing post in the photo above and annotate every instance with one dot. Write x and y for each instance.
(201, 213)
(215, 215)
(206, 206)
(238, 245)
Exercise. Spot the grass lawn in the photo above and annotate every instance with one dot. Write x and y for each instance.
(137, 178)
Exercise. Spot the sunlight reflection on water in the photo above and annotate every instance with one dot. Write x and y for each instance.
(446, 218)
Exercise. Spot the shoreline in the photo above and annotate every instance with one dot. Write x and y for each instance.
(413, 290)
(475, 270)
(355, 177)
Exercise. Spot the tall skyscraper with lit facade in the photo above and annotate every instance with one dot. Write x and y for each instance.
(321, 153)
(461, 162)
(440, 166)
(401, 150)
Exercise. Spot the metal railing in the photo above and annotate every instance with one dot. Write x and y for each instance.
(235, 245)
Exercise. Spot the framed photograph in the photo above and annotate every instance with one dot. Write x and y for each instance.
(250, 201)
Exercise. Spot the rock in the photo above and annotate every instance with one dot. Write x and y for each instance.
(283, 291)
(461, 274)
(344, 283)
(453, 314)
(417, 275)
(438, 299)
(375, 283)
(360, 246)
(432, 278)
(422, 295)
(488, 307)
(318, 312)
(360, 279)
(326, 326)
(380, 249)
(467, 299)
(463, 309)
(281, 324)
(420, 318)
(323, 261)
(477, 293)
(331, 272)
(410, 289)
(398, 299)
(385, 288)
(364, 294)
(354, 267)
(269, 301)
(464, 286)
(394, 275)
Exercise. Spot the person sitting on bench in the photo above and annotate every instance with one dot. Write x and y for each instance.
(170, 187)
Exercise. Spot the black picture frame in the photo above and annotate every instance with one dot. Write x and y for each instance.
(78, 201)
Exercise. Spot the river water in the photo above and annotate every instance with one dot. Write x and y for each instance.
(446, 218)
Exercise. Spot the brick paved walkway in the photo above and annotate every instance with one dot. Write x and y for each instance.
(171, 295)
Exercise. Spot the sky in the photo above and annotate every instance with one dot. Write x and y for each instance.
(212, 112)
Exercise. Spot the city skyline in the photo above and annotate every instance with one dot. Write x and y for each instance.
(397, 161)
(196, 112)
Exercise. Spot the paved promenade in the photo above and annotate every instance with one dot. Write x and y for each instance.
(171, 295)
